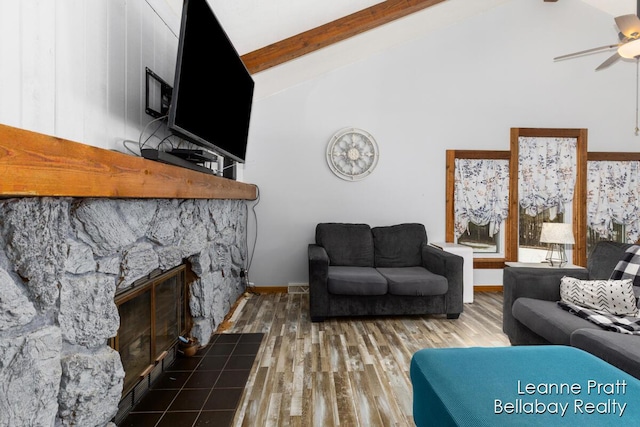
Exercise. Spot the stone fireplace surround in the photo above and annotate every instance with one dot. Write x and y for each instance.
(62, 260)
(77, 225)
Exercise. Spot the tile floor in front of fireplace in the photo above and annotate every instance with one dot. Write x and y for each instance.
(203, 390)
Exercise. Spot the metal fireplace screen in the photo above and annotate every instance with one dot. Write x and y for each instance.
(152, 316)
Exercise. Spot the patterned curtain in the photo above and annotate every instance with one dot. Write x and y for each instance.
(481, 194)
(547, 174)
(613, 194)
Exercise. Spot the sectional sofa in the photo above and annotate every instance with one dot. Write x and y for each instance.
(531, 314)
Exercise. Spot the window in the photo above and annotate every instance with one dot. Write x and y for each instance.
(573, 212)
(618, 234)
(485, 237)
(613, 198)
(480, 239)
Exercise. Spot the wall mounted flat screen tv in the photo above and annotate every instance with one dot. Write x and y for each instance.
(213, 91)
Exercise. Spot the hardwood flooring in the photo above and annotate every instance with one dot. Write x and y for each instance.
(345, 371)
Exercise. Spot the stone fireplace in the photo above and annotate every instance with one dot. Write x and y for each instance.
(63, 259)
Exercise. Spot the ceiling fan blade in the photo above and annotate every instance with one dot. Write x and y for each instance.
(629, 25)
(584, 52)
(613, 58)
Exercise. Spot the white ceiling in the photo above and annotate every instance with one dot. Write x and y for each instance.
(252, 24)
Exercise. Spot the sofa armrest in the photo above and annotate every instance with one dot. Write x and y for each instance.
(538, 283)
(531, 282)
(318, 275)
(450, 266)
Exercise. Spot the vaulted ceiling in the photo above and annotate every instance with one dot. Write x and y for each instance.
(332, 32)
(271, 34)
(353, 24)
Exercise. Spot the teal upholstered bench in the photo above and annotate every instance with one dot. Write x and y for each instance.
(520, 386)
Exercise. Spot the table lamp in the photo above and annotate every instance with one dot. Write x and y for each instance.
(557, 235)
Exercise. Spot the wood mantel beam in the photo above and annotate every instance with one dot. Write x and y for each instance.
(33, 164)
(332, 32)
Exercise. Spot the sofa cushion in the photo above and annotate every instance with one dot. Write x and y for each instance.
(604, 257)
(346, 244)
(343, 280)
(620, 350)
(415, 281)
(609, 296)
(548, 320)
(399, 245)
(628, 266)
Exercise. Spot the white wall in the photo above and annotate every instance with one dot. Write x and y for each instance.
(460, 87)
(75, 68)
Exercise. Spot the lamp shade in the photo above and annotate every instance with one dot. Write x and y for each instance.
(557, 232)
(630, 49)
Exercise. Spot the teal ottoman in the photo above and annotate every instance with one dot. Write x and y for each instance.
(520, 386)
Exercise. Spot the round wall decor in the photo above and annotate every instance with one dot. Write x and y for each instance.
(352, 154)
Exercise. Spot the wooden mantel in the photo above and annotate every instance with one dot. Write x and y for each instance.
(33, 164)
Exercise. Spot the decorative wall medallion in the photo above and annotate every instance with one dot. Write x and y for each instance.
(352, 154)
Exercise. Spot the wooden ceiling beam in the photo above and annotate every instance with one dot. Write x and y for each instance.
(332, 32)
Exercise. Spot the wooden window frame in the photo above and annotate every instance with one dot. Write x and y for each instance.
(609, 156)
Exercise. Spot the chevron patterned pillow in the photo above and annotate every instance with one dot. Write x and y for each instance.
(610, 296)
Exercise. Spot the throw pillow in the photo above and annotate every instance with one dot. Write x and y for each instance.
(609, 296)
(629, 266)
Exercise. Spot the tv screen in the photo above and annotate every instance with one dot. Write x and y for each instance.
(213, 91)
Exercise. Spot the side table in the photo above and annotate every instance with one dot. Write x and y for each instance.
(537, 265)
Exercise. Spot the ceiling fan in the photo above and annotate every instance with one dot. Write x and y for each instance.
(627, 47)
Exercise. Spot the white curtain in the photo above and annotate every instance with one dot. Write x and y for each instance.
(481, 194)
(613, 194)
(546, 174)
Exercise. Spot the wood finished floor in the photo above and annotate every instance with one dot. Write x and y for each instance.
(346, 371)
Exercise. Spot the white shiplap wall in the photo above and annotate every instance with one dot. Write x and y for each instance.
(75, 69)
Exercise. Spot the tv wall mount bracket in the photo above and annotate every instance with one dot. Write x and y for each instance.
(157, 95)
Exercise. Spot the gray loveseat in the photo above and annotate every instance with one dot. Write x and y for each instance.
(357, 270)
(531, 314)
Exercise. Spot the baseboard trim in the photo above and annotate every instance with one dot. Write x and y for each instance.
(487, 288)
(270, 289)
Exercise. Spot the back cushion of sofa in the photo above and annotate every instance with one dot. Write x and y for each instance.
(346, 244)
(399, 245)
(604, 258)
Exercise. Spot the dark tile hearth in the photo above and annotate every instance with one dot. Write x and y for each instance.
(203, 390)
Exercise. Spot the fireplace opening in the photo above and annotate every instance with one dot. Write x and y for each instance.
(153, 314)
